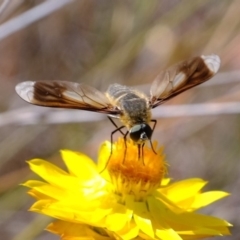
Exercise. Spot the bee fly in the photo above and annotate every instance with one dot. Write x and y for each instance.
(132, 107)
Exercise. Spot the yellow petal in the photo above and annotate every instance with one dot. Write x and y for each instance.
(116, 221)
(51, 173)
(185, 221)
(145, 225)
(205, 232)
(103, 155)
(79, 165)
(165, 181)
(184, 189)
(74, 231)
(70, 195)
(207, 198)
(47, 207)
(141, 215)
(72, 211)
(37, 195)
(131, 231)
(120, 215)
(164, 199)
(45, 189)
(167, 234)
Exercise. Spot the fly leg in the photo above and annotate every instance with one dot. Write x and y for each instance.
(124, 137)
(116, 126)
(154, 125)
(125, 144)
(112, 133)
(141, 152)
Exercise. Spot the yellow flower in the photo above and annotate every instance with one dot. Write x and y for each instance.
(125, 197)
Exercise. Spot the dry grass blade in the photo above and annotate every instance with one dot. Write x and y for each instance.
(25, 19)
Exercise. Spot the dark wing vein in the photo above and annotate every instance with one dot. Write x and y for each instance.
(63, 94)
(181, 77)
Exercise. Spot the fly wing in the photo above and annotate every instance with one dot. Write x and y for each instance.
(63, 94)
(181, 77)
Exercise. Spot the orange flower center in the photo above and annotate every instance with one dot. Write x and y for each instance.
(134, 174)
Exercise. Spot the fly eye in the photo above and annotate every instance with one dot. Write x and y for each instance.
(140, 132)
(135, 132)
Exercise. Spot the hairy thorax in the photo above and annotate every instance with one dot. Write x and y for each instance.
(134, 105)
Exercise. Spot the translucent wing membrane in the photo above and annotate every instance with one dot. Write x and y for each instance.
(181, 77)
(168, 84)
(62, 94)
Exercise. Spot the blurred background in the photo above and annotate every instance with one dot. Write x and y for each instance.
(100, 42)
